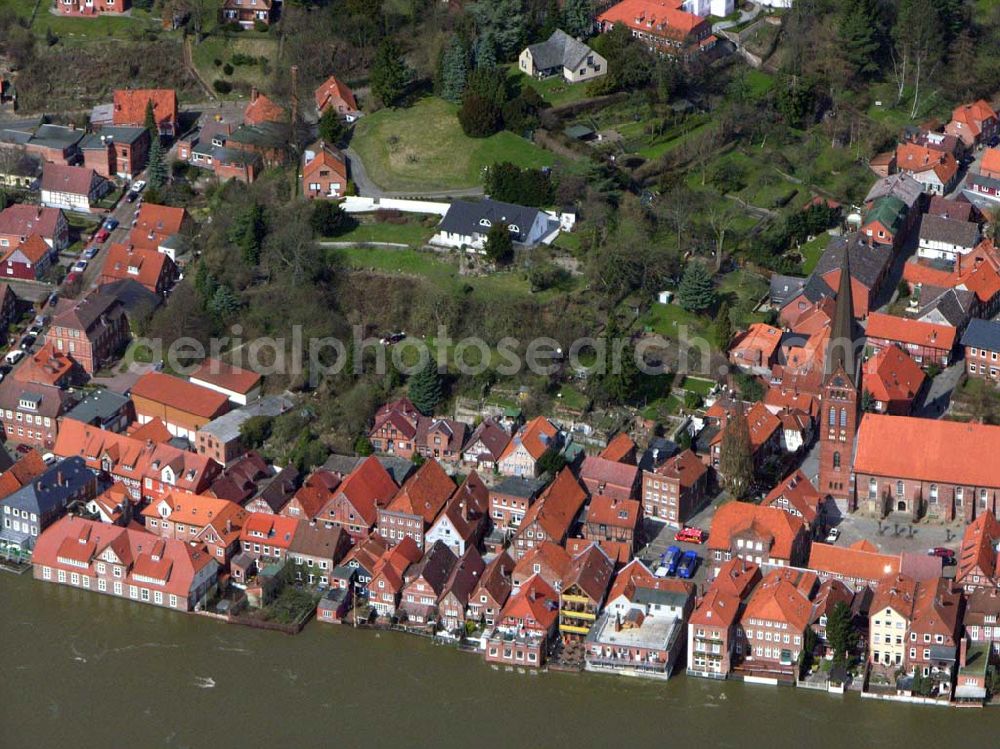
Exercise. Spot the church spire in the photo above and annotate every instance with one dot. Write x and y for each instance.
(841, 350)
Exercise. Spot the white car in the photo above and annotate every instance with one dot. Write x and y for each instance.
(138, 186)
(79, 266)
(833, 535)
(49, 458)
(14, 356)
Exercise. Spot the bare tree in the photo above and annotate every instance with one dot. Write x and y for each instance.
(678, 207)
(722, 215)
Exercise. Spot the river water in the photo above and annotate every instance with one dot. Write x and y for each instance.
(84, 670)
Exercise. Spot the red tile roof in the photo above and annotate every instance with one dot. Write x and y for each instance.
(603, 476)
(558, 506)
(262, 109)
(737, 577)
(332, 90)
(180, 394)
(130, 106)
(425, 493)
(24, 219)
(226, 376)
(614, 512)
(990, 165)
(897, 592)
(537, 436)
(685, 467)
(368, 487)
(155, 223)
(657, 17)
(274, 530)
(973, 115)
(891, 375)
(798, 490)
(46, 366)
(197, 510)
(549, 560)
(29, 467)
(977, 554)
(621, 448)
(904, 330)
(33, 248)
(848, 563)
(126, 262)
(716, 609)
(325, 157)
(778, 599)
(734, 517)
(756, 345)
(536, 604)
(153, 430)
(591, 571)
(76, 180)
(933, 450)
(916, 159)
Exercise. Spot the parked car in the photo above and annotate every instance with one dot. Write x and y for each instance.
(14, 356)
(53, 298)
(832, 536)
(71, 278)
(28, 341)
(23, 449)
(49, 458)
(91, 252)
(79, 266)
(688, 565)
(111, 224)
(138, 186)
(392, 338)
(691, 535)
(35, 330)
(941, 551)
(671, 558)
(102, 236)
(130, 197)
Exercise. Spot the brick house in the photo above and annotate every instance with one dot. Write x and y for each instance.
(492, 590)
(129, 109)
(28, 260)
(333, 93)
(72, 188)
(424, 584)
(712, 640)
(153, 270)
(416, 505)
(796, 495)
(615, 524)
(858, 566)
(387, 581)
(942, 469)
(552, 517)
(116, 151)
(182, 406)
(763, 535)
(266, 538)
(603, 477)
(358, 498)
(46, 367)
(973, 123)
(91, 8)
(936, 171)
(316, 550)
(394, 431)
(21, 220)
(892, 381)
(675, 489)
(927, 343)
(977, 556)
(194, 518)
(29, 413)
(981, 341)
(55, 144)
(155, 225)
(309, 499)
(123, 562)
(248, 13)
(510, 500)
(982, 609)
(885, 223)
(663, 26)
(756, 348)
(773, 624)
(527, 623)
(584, 591)
(324, 172)
(458, 590)
(549, 560)
(765, 434)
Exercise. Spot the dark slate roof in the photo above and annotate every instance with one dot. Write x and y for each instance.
(867, 263)
(901, 186)
(939, 229)
(816, 288)
(114, 134)
(264, 135)
(98, 407)
(134, 297)
(51, 491)
(18, 132)
(514, 486)
(659, 451)
(785, 288)
(982, 334)
(558, 51)
(464, 217)
(281, 488)
(342, 464)
(56, 136)
(954, 305)
(398, 468)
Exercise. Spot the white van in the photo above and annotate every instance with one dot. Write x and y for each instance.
(13, 357)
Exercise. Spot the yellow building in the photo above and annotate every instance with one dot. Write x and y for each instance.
(889, 620)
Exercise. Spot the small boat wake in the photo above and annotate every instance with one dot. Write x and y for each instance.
(204, 682)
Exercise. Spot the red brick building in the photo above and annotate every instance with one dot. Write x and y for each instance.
(116, 151)
(129, 109)
(674, 490)
(763, 535)
(153, 270)
(773, 624)
(92, 8)
(552, 517)
(927, 343)
(92, 331)
(662, 25)
(324, 172)
(333, 93)
(416, 505)
(21, 220)
(358, 498)
(248, 13)
(27, 260)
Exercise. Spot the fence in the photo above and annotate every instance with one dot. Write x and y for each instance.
(354, 204)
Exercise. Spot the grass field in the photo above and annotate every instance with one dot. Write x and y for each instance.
(413, 233)
(811, 252)
(218, 48)
(554, 90)
(70, 29)
(422, 148)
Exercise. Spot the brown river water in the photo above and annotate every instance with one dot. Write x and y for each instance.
(83, 670)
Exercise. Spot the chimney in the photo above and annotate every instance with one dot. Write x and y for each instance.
(963, 652)
(253, 94)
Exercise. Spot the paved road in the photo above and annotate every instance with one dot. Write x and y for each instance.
(745, 15)
(367, 188)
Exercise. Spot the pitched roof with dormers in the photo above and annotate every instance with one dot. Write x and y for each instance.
(557, 507)
(735, 517)
(425, 493)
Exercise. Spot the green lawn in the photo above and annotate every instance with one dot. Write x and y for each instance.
(698, 385)
(572, 398)
(70, 29)
(759, 83)
(422, 148)
(811, 252)
(554, 90)
(413, 233)
(218, 48)
(667, 320)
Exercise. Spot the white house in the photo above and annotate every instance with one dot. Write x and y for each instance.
(563, 55)
(943, 238)
(467, 223)
(72, 188)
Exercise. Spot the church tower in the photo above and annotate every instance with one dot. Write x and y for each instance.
(839, 398)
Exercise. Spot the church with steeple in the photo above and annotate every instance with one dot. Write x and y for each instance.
(840, 399)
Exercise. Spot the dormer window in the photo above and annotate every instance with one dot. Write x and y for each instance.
(514, 229)
(485, 222)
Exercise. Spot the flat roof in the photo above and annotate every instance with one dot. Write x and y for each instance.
(655, 632)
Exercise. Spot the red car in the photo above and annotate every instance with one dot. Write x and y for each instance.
(102, 236)
(71, 278)
(691, 535)
(941, 551)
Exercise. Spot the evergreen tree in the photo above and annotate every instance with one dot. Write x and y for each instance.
(736, 458)
(840, 632)
(363, 446)
(502, 25)
(578, 17)
(724, 326)
(499, 247)
(424, 388)
(390, 75)
(622, 382)
(248, 232)
(224, 302)
(553, 19)
(156, 171)
(332, 129)
(859, 37)
(696, 292)
(454, 70)
(150, 120)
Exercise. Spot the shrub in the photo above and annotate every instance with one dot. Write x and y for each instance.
(217, 62)
(227, 69)
(260, 27)
(221, 86)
